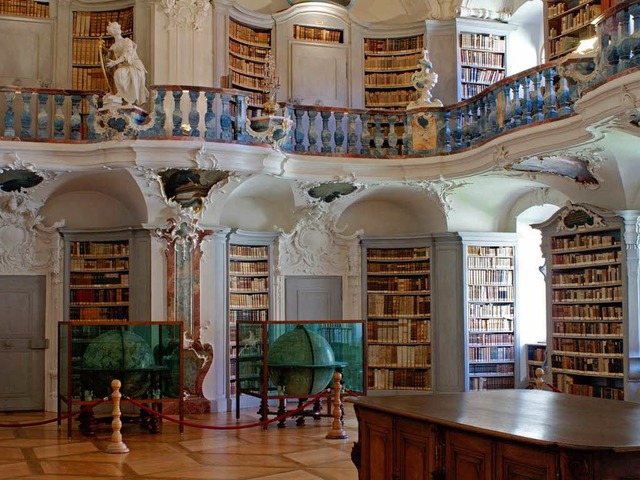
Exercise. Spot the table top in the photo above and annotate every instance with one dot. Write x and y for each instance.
(531, 416)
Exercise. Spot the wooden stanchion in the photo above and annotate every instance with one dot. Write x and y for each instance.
(116, 445)
(336, 431)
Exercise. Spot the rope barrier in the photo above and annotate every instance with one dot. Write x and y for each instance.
(58, 418)
(226, 427)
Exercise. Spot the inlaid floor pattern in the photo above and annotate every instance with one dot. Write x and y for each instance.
(291, 453)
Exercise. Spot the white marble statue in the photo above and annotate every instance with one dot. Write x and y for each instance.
(129, 74)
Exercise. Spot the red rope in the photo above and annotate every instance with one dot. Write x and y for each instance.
(226, 427)
(58, 418)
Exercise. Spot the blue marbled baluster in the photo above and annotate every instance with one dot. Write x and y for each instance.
(634, 10)
(338, 135)
(526, 100)
(392, 138)
(325, 135)
(75, 120)
(43, 116)
(9, 115)
(226, 121)
(447, 132)
(517, 103)
(352, 136)
(194, 115)
(58, 118)
(536, 97)
(177, 114)
(91, 117)
(312, 134)
(288, 144)
(160, 114)
(624, 42)
(491, 124)
(457, 133)
(299, 131)
(407, 134)
(378, 137)
(549, 93)
(210, 116)
(564, 97)
(366, 134)
(25, 116)
(241, 118)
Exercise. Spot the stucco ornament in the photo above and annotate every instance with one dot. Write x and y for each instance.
(423, 81)
(442, 190)
(185, 13)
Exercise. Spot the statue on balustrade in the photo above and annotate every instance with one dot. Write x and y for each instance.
(121, 62)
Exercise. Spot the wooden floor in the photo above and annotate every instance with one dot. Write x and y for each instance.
(291, 453)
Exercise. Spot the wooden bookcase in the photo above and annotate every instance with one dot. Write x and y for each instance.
(490, 310)
(248, 50)
(389, 64)
(569, 22)
(536, 358)
(249, 274)
(107, 276)
(398, 313)
(482, 61)
(24, 8)
(88, 28)
(586, 290)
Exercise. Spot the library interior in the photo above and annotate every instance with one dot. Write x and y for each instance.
(412, 223)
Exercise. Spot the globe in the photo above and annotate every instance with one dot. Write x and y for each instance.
(301, 362)
(120, 354)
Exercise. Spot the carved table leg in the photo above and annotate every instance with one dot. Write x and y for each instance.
(300, 420)
(281, 411)
(87, 423)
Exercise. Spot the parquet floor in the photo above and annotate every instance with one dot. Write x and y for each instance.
(291, 453)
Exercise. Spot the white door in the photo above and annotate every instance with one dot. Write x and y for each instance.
(313, 298)
(22, 342)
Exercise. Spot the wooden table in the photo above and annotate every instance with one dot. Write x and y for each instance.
(499, 435)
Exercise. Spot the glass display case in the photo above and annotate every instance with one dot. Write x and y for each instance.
(258, 360)
(145, 356)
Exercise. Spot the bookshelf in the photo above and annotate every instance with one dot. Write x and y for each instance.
(88, 28)
(585, 257)
(536, 358)
(482, 61)
(490, 312)
(389, 64)
(569, 22)
(249, 276)
(398, 313)
(248, 49)
(24, 8)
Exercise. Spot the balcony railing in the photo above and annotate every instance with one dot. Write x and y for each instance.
(541, 94)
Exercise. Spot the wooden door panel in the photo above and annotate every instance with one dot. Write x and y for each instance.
(468, 457)
(415, 449)
(375, 434)
(518, 462)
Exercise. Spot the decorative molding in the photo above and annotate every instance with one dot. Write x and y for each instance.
(205, 160)
(183, 231)
(441, 190)
(423, 81)
(22, 235)
(583, 214)
(186, 14)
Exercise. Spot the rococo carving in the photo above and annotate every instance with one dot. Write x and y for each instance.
(185, 13)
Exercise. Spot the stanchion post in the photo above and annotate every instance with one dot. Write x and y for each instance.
(116, 445)
(336, 431)
(539, 378)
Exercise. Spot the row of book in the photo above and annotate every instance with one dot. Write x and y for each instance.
(602, 294)
(256, 54)
(388, 79)
(96, 249)
(24, 8)
(241, 80)
(383, 98)
(248, 268)
(94, 24)
(588, 364)
(480, 75)
(505, 312)
(469, 90)
(586, 259)
(86, 51)
(385, 379)
(392, 63)
(587, 328)
(484, 383)
(566, 384)
(489, 339)
(491, 324)
(381, 305)
(490, 277)
(81, 264)
(248, 316)
(246, 66)
(604, 346)
(400, 285)
(588, 277)
(420, 253)
(337, 333)
(413, 356)
(483, 41)
(248, 283)
(245, 251)
(491, 293)
(537, 353)
(256, 99)
(89, 78)
(491, 369)
(116, 279)
(317, 34)
(488, 353)
(399, 268)
(584, 241)
(248, 300)
(491, 263)
(483, 251)
(596, 313)
(575, 19)
(106, 313)
(403, 330)
(249, 34)
(89, 297)
(486, 59)
(383, 45)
